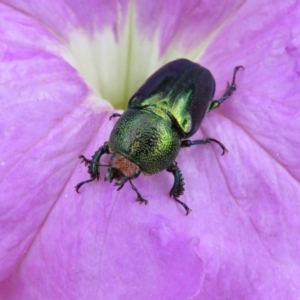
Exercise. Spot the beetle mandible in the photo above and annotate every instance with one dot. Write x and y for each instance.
(166, 110)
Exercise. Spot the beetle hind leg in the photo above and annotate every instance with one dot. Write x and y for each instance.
(139, 199)
(178, 186)
(228, 92)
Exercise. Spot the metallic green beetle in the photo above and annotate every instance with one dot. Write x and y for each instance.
(166, 109)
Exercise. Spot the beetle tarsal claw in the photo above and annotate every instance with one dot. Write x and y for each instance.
(187, 209)
(84, 160)
(80, 184)
(141, 200)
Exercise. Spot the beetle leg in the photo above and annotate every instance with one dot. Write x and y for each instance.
(188, 143)
(93, 165)
(228, 92)
(140, 199)
(85, 160)
(178, 186)
(77, 187)
(114, 115)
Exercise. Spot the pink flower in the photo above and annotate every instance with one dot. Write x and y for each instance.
(61, 63)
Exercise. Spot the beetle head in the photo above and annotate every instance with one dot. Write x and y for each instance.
(121, 169)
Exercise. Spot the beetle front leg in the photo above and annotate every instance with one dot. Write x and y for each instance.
(139, 199)
(228, 92)
(188, 143)
(93, 165)
(178, 186)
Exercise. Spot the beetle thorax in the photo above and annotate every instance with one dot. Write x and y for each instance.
(122, 169)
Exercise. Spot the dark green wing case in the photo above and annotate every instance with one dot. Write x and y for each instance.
(183, 89)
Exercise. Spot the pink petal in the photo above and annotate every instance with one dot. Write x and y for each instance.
(260, 223)
(61, 16)
(241, 239)
(183, 25)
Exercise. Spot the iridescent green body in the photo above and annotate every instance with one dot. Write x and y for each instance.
(182, 89)
(145, 138)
